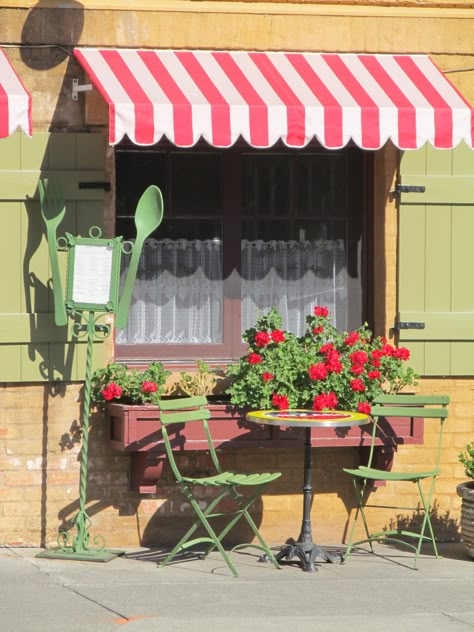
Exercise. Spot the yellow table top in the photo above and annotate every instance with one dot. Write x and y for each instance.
(302, 418)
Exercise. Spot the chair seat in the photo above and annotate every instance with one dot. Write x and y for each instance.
(381, 475)
(232, 478)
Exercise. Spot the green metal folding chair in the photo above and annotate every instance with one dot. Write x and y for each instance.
(364, 477)
(226, 483)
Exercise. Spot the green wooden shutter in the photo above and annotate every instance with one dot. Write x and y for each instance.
(436, 260)
(32, 348)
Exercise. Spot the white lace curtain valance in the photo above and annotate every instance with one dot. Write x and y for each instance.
(178, 294)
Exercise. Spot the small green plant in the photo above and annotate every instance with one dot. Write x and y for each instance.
(119, 384)
(322, 369)
(467, 459)
(200, 382)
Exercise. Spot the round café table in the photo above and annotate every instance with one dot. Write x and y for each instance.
(304, 548)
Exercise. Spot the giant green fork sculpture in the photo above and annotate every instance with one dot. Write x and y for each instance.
(92, 292)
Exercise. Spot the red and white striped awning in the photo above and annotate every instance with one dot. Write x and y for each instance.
(15, 101)
(266, 97)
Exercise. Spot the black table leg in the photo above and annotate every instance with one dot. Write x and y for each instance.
(304, 548)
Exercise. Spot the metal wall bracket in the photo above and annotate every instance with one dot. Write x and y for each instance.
(76, 88)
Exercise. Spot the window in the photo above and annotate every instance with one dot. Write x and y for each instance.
(243, 231)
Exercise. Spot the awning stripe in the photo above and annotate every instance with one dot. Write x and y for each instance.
(295, 110)
(221, 96)
(15, 101)
(443, 131)
(328, 104)
(220, 109)
(181, 118)
(257, 134)
(369, 111)
(405, 111)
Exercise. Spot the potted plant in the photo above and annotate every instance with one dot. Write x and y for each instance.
(466, 492)
(321, 369)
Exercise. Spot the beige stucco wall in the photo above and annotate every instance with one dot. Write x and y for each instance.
(38, 455)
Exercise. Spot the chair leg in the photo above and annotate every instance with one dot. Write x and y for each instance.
(202, 520)
(426, 521)
(242, 512)
(244, 507)
(360, 491)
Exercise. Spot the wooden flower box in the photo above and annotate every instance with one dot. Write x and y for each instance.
(136, 429)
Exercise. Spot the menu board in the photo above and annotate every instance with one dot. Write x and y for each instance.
(92, 274)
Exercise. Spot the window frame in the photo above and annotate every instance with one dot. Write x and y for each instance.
(232, 346)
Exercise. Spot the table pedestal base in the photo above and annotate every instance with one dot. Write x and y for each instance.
(307, 553)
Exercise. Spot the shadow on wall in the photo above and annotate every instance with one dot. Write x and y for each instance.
(107, 479)
(446, 529)
(48, 34)
(47, 39)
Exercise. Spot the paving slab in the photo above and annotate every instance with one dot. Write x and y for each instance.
(131, 594)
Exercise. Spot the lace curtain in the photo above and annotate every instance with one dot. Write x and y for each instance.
(178, 293)
(293, 276)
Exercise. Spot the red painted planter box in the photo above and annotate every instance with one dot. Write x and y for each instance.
(136, 429)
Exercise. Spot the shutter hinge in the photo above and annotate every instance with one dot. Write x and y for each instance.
(409, 188)
(408, 325)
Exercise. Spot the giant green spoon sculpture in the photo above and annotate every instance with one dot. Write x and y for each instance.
(148, 216)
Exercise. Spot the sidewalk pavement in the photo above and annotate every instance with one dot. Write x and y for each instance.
(131, 594)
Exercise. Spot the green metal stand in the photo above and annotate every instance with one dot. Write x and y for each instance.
(93, 299)
(78, 547)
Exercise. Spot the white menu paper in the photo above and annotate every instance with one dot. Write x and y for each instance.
(92, 274)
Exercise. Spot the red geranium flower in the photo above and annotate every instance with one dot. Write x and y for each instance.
(402, 352)
(321, 311)
(317, 371)
(267, 376)
(357, 369)
(327, 348)
(318, 330)
(352, 338)
(333, 364)
(374, 375)
(332, 400)
(364, 407)
(359, 357)
(111, 391)
(357, 385)
(262, 338)
(280, 401)
(254, 358)
(278, 336)
(325, 401)
(149, 387)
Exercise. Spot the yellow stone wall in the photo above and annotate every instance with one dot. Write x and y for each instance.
(38, 453)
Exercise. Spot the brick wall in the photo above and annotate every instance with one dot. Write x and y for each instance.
(39, 477)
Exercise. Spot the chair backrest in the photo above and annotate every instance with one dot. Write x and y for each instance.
(414, 407)
(182, 411)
